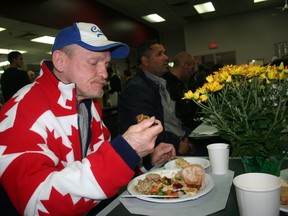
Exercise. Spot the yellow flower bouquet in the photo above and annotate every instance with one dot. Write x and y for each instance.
(248, 106)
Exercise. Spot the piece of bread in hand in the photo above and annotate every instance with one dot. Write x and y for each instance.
(141, 117)
(193, 174)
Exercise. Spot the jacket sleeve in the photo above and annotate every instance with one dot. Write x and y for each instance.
(41, 167)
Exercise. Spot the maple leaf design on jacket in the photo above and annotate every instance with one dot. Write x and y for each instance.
(79, 207)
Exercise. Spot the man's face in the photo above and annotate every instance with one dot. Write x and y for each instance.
(157, 61)
(87, 69)
(188, 69)
(19, 61)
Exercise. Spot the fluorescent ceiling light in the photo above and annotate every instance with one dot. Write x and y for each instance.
(2, 29)
(44, 39)
(256, 1)
(6, 51)
(153, 18)
(4, 63)
(204, 8)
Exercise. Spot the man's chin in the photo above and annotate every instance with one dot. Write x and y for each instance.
(95, 95)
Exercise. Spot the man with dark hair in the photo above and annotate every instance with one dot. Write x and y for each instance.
(14, 77)
(146, 94)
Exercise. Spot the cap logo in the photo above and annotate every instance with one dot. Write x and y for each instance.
(97, 31)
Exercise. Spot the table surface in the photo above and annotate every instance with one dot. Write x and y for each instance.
(117, 209)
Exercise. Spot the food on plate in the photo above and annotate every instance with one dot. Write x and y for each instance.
(181, 162)
(187, 181)
(193, 174)
(141, 117)
(284, 192)
(145, 185)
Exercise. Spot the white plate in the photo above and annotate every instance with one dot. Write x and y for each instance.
(207, 186)
(284, 175)
(192, 160)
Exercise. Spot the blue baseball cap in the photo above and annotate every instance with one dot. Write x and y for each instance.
(89, 36)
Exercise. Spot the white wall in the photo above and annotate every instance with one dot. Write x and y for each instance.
(251, 35)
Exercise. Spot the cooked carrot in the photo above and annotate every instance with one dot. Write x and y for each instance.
(154, 190)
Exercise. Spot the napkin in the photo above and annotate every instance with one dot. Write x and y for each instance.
(204, 129)
(211, 202)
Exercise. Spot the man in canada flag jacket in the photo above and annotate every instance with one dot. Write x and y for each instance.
(56, 157)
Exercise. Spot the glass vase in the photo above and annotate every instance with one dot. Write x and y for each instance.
(270, 165)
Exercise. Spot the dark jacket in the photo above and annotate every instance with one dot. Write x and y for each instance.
(141, 96)
(12, 80)
(186, 110)
(115, 84)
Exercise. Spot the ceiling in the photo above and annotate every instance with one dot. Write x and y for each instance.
(180, 12)
(18, 36)
(176, 12)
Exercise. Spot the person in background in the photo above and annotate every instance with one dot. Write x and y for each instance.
(14, 77)
(114, 81)
(177, 78)
(146, 93)
(277, 62)
(198, 78)
(114, 87)
(127, 75)
(56, 155)
(31, 75)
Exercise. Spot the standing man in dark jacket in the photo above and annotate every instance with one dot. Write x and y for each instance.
(14, 77)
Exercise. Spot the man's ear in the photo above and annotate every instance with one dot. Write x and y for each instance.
(144, 60)
(58, 60)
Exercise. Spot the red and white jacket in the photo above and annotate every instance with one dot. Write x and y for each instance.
(41, 167)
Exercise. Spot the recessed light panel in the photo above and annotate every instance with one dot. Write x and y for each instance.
(44, 39)
(153, 18)
(256, 1)
(204, 8)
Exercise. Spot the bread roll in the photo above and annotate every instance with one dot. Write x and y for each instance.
(193, 175)
(182, 163)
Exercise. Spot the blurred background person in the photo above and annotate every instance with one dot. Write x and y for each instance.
(177, 78)
(114, 86)
(14, 77)
(31, 75)
(126, 75)
(198, 78)
(114, 81)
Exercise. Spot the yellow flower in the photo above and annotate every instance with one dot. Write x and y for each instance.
(248, 105)
(203, 98)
